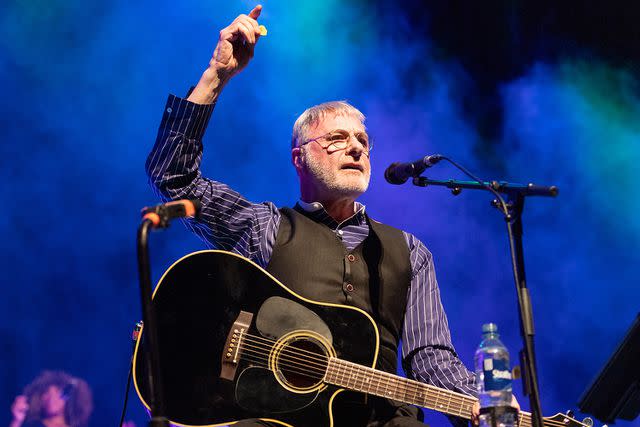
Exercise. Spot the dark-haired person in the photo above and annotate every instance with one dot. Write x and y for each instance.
(326, 248)
(53, 399)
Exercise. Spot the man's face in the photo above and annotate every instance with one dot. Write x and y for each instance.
(53, 402)
(337, 174)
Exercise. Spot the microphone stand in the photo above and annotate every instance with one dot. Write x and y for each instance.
(514, 207)
(152, 354)
(156, 217)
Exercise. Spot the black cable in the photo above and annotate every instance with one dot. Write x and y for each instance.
(504, 209)
(134, 337)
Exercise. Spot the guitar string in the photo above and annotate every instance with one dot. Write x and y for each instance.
(382, 381)
(289, 353)
(257, 357)
(290, 366)
(285, 372)
(414, 390)
(409, 388)
(465, 403)
(261, 361)
(257, 338)
(525, 419)
(315, 359)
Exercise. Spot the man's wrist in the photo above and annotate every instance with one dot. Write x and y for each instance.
(208, 88)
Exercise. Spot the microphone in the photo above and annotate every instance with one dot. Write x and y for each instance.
(398, 173)
(160, 215)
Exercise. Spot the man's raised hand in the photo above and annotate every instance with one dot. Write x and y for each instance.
(236, 44)
(232, 53)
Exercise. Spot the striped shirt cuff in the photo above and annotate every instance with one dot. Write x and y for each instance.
(185, 117)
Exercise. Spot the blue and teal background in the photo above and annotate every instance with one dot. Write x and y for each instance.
(520, 91)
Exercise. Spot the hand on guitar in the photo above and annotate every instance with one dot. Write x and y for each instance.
(475, 411)
(232, 53)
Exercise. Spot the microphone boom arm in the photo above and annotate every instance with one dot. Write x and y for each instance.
(499, 186)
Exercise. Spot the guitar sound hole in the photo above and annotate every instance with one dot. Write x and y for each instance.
(303, 363)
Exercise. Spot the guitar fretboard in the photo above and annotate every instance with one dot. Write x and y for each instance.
(360, 378)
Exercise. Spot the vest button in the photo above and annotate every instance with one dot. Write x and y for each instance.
(351, 257)
(348, 287)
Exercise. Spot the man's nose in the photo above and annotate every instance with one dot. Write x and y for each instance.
(355, 147)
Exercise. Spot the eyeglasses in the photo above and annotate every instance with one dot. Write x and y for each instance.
(339, 140)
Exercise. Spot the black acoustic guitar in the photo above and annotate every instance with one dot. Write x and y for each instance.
(235, 343)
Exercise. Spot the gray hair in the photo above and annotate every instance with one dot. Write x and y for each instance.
(313, 115)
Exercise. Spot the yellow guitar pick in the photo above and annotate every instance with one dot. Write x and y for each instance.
(263, 30)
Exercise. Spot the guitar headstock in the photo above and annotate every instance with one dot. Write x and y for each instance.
(567, 420)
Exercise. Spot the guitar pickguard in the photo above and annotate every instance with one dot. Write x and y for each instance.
(278, 316)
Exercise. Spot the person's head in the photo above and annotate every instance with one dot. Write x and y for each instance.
(330, 151)
(55, 393)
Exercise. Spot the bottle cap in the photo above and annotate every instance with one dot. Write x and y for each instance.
(488, 328)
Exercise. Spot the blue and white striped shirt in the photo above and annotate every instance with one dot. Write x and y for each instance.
(230, 222)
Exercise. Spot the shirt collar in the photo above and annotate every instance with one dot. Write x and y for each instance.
(317, 210)
(316, 206)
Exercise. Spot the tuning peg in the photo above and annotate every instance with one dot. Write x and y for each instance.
(569, 413)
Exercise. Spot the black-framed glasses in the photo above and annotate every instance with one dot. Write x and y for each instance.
(339, 140)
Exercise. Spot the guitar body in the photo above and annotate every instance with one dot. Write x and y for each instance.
(275, 373)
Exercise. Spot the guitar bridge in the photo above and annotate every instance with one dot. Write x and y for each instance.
(231, 348)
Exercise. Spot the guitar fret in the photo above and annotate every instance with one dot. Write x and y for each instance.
(338, 373)
(330, 375)
(347, 375)
(369, 380)
(377, 380)
(343, 374)
(395, 384)
(350, 377)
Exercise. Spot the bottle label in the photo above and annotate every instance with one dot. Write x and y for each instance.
(497, 375)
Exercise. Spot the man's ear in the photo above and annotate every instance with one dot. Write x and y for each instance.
(297, 158)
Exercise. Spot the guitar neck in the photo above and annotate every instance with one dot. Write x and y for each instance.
(367, 380)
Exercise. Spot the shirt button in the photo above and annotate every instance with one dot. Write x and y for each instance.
(348, 287)
(169, 110)
(340, 232)
(351, 257)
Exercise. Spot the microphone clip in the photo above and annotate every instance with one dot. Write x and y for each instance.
(161, 215)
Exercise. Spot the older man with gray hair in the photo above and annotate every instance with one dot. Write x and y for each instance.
(326, 248)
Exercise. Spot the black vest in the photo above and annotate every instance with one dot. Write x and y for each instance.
(309, 258)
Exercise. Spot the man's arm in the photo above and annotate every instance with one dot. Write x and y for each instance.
(233, 52)
(228, 221)
(427, 352)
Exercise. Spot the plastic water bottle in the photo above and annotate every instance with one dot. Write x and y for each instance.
(493, 380)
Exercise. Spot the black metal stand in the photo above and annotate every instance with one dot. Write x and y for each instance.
(152, 354)
(512, 210)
